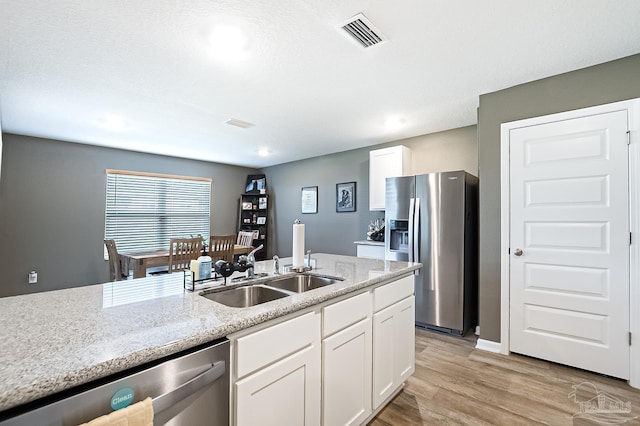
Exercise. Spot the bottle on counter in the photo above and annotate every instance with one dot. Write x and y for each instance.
(201, 268)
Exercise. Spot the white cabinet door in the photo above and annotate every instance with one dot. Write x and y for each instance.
(347, 375)
(393, 348)
(285, 393)
(383, 337)
(405, 339)
(384, 163)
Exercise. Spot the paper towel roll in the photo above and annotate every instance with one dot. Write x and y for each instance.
(298, 245)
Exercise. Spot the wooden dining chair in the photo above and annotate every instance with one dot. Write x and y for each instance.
(221, 247)
(245, 238)
(115, 271)
(182, 251)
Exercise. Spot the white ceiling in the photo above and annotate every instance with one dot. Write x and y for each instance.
(67, 65)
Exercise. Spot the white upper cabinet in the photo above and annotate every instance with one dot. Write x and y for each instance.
(384, 163)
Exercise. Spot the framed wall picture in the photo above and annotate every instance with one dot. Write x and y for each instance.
(309, 199)
(346, 197)
(256, 184)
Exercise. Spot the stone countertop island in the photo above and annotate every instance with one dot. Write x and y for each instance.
(55, 340)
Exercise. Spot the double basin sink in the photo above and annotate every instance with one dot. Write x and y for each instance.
(251, 295)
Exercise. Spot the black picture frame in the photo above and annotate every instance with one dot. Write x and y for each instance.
(346, 197)
(309, 200)
(256, 184)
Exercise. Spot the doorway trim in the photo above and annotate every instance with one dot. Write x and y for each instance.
(633, 113)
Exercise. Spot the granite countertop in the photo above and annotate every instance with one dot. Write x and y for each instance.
(55, 340)
(369, 243)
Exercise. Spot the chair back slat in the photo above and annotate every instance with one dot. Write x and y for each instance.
(115, 273)
(245, 238)
(182, 251)
(221, 247)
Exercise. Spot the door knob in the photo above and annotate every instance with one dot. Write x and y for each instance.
(517, 252)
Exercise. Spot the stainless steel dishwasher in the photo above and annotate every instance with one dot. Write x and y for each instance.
(188, 388)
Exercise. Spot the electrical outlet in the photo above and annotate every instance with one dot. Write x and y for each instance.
(33, 277)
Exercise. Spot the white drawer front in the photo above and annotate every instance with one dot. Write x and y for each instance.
(370, 252)
(342, 314)
(271, 344)
(389, 294)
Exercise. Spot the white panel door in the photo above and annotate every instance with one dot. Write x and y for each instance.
(405, 343)
(285, 393)
(346, 390)
(393, 348)
(569, 248)
(384, 163)
(384, 365)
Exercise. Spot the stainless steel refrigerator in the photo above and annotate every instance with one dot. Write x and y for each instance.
(432, 219)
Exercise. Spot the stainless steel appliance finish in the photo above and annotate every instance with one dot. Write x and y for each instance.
(245, 296)
(302, 282)
(255, 294)
(189, 388)
(432, 219)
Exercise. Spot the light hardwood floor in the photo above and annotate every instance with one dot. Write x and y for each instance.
(456, 384)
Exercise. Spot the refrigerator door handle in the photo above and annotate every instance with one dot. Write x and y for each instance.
(412, 207)
(416, 232)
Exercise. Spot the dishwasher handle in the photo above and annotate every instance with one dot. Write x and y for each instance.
(164, 401)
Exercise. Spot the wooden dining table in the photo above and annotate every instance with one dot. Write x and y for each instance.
(139, 261)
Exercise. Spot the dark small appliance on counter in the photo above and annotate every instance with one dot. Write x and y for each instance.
(377, 235)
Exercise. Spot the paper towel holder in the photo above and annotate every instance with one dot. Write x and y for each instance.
(300, 269)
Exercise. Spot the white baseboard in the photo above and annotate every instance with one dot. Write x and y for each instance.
(488, 345)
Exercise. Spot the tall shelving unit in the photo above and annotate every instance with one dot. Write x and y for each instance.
(253, 217)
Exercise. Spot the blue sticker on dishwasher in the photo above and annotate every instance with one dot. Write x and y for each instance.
(121, 399)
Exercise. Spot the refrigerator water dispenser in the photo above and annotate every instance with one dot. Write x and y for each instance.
(399, 235)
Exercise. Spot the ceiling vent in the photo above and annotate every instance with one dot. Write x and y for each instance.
(239, 123)
(362, 31)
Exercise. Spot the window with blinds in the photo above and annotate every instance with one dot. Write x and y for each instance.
(143, 210)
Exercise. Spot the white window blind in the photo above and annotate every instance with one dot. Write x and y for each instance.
(143, 211)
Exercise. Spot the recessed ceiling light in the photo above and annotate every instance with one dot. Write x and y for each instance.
(394, 123)
(228, 43)
(113, 122)
(263, 152)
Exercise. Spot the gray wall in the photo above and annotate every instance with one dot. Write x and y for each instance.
(0, 145)
(52, 201)
(331, 232)
(609, 82)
